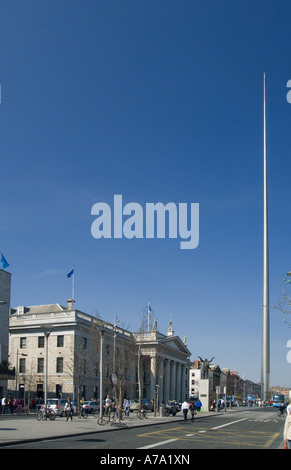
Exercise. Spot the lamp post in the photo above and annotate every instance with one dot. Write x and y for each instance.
(47, 332)
(114, 352)
(101, 329)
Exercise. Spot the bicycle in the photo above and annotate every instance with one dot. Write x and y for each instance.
(141, 414)
(82, 414)
(21, 410)
(110, 416)
(45, 412)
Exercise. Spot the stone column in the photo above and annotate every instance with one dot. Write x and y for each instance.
(184, 391)
(167, 380)
(153, 373)
(178, 387)
(173, 381)
(160, 380)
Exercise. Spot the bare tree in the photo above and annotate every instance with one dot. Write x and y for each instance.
(83, 358)
(284, 305)
(124, 363)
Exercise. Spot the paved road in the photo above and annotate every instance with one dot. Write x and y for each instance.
(245, 429)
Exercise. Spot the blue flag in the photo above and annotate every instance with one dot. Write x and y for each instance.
(4, 262)
(70, 273)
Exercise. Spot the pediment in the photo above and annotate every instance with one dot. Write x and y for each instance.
(174, 342)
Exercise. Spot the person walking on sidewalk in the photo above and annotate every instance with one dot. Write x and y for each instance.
(192, 410)
(185, 408)
(69, 409)
(198, 405)
(287, 432)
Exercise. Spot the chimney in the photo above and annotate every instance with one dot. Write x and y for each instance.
(70, 303)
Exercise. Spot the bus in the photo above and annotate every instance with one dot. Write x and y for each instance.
(278, 400)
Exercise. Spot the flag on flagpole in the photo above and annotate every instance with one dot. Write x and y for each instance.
(149, 311)
(71, 273)
(4, 262)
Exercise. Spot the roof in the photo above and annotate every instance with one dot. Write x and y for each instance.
(38, 309)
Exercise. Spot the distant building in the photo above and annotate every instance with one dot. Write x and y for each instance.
(228, 381)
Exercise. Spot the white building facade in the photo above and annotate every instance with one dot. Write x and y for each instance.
(56, 349)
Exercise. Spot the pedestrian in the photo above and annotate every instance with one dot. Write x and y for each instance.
(287, 432)
(10, 405)
(15, 403)
(69, 408)
(185, 408)
(289, 409)
(192, 410)
(107, 404)
(126, 405)
(3, 403)
(198, 405)
(281, 409)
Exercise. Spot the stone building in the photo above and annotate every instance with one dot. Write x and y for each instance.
(165, 365)
(5, 372)
(70, 341)
(225, 379)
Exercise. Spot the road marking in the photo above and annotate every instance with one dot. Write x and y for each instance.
(265, 439)
(228, 424)
(158, 444)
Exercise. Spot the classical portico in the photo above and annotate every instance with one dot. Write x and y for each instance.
(164, 363)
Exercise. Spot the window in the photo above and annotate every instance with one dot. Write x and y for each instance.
(107, 350)
(40, 365)
(60, 365)
(22, 366)
(58, 391)
(60, 341)
(84, 343)
(22, 343)
(41, 341)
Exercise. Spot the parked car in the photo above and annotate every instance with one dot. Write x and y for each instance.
(90, 406)
(134, 405)
(148, 405)
(58, 405)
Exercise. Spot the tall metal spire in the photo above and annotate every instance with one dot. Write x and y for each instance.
(266, 330)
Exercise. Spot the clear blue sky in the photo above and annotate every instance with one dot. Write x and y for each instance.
(160, 101)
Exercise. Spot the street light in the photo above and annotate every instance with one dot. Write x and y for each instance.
(47, 332)
(101, 329)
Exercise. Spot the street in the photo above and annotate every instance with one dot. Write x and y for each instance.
(250, 428)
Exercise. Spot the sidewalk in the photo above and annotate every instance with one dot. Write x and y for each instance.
(20, 429)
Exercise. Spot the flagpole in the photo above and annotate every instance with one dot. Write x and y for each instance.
(148, 317)
(73, 285)
(265, 333)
